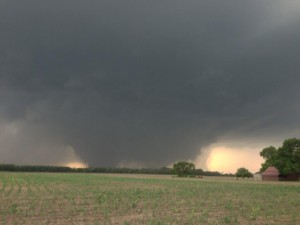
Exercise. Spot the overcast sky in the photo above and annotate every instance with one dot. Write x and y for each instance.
(145, 83)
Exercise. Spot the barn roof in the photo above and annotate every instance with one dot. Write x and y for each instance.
(271, 171)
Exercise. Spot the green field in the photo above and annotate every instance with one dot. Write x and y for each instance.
(49, 198)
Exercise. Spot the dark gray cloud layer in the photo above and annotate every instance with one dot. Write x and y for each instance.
(144, 81)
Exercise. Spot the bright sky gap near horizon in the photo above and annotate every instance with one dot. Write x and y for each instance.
(147, 83)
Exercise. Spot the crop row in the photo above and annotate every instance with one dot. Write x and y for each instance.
(47, 198)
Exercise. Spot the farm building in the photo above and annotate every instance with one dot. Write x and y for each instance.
(270, 174)
(257, 176)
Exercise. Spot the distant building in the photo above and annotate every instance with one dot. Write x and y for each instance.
(270, 174)
(257, 176)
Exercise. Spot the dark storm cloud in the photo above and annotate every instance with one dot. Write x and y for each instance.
(144, 81)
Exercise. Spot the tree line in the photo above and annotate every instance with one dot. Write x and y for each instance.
(65, 169)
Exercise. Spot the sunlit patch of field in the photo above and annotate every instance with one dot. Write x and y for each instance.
(49, 198)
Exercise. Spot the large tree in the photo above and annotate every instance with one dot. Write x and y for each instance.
(243, 172)
(270, 155)
(285, 158)
(184, 169)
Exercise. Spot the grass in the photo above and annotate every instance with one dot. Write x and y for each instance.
(49, 198)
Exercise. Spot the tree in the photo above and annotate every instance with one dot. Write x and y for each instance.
(243, 172)
(286, 158)
(270, 155)
(184, 169)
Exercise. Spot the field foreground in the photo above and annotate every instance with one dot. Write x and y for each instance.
(49, 198)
